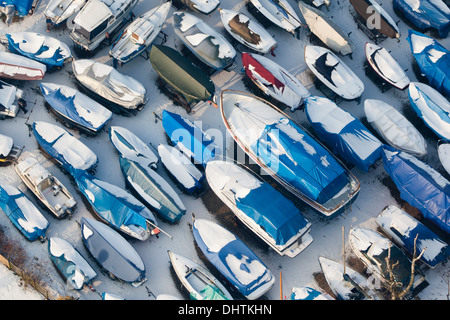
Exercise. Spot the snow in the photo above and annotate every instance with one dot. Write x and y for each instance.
(6, 144)
(295, 272)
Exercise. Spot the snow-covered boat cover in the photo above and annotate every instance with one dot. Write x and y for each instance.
(202, 6)
(22, 212)
(393, 127)
(444, 155)
(420, 185)
(386, 66)
(130, 146)
(283, 147)
(6, 145)
(432, 107)
(154, 190)
(140, 34)
(433, 60)
(308, 293)
(206, 43)
(70, 263)
(279, 12)
(60, 10)
(70, 152)
(426, 14)
(333, 72)
(23, 7)
(8, 95)
(189, 137)
(112, 251)
(76, 106)
(403, 228)
(17, 67)
(343, 133)
(325, 29)
(181, 168)
(181, 74)
(109, 83)
(279, 217)
(274, 80)
(237, 263)
(247, 31)
(44, 49)
(117, 207)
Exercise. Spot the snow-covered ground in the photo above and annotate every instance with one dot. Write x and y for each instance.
(293, 272)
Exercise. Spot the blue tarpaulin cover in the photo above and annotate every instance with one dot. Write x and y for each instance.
(65, 105)
(426, 14)
(22, 212)
(433, 60)
(113, 204)
(300, 160)
(237, 263)
(189, 137)
(343, 133)
(419, 185)
(279, 217)
(23, 7)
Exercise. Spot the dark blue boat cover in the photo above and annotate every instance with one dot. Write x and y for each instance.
(233, 260)
(23, 7)
(66, 106)
(194, 142)
(113, 204)
(433, 60)
(300, 160)
(112, 251)
(344, 134)
(419, 185)
(426, 14)
(279, 217)
(13, 202)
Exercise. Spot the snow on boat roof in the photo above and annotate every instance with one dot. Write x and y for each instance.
(58, 247)
(97, 11)
(12, 64)
(78, 155)
(6, 144)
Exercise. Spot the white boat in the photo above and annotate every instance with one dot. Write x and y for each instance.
(247, 31)
(386, 66)
(17, 67)
(61, 10)
(9, 152)
(325, 29)
(346, 283)
(197, 280)
(181, 168)
(333, 72)
(131, 147)
(203, 41)
(279, 223)
(279, 13)
(274, 80)
(109, 84)
(99, 19)
(394, 128)
(444, 155)
(46, 187)
(140, 34)
(9, 95)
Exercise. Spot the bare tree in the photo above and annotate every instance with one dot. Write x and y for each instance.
(392, 284)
